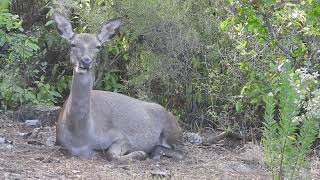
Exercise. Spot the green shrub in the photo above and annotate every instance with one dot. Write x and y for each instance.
(286, 141)
(210, 62)
(168, 52)
(20, 70)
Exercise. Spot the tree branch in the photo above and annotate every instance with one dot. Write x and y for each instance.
(274, 37)
(283, 3)
(104, 66)
(31, 19)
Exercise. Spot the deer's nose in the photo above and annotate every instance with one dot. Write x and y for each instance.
(86, 62)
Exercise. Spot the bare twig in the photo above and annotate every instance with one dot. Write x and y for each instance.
(283, 3)
(104, 66)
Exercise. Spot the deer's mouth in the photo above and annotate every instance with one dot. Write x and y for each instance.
(81, 69)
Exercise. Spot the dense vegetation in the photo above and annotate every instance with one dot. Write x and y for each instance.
(248, 66)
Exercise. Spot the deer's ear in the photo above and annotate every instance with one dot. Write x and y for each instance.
(109, 30)
(63, 26)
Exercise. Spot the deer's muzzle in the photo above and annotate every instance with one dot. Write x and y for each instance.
(86, 63)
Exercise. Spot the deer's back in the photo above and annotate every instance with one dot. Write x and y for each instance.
(138, 121)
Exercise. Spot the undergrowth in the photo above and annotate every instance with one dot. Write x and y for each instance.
(287, 142)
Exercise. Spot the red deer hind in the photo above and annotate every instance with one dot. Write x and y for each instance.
(126, 128)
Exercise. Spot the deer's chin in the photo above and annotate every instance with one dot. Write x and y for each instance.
(81, 70)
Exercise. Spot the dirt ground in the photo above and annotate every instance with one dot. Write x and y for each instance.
(30, 154)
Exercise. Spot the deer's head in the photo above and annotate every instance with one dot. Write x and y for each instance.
(84, 46)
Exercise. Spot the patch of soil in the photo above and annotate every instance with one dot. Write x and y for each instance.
(31, 154)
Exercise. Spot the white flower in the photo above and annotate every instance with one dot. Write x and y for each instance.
(295, 15)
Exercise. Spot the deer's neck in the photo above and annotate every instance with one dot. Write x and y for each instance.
(80, 95)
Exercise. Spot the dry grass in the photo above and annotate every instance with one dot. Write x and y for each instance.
(23, 160)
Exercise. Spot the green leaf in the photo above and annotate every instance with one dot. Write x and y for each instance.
(4, 5)
(2, 40)
(32, 45)
(48, 23)
(242, 45)
(239, 106)
(224, 25)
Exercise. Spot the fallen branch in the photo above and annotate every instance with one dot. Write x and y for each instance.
(215, 139)
(226, 134)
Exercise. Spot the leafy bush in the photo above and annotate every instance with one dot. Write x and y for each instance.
(286, 141)
(168, 52)
(178, 59)
(265, 34)
(210, 62)
(307, 87)
(19, 80)
(210, 65)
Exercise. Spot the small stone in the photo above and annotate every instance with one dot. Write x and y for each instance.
(25, 135)
(235, 166)
(192, 138)
(50, 141)
(34, 133)
(32, 123)
(6, 147)
(2, 140)
(76, 171)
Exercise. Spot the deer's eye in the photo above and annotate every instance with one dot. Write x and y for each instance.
(73, 45)
(99, 47)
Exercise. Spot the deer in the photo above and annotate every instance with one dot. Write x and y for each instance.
(124, 128)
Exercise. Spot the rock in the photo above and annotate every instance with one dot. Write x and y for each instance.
(32, 123)
(6, 147)
(235, 166)
(47, 115)
(50, 141)
(5, 144)
(192, 138)
(3, 140)
(25, 135)
(76, 171)
(34, 133)
(41, 136)
(10, 175)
